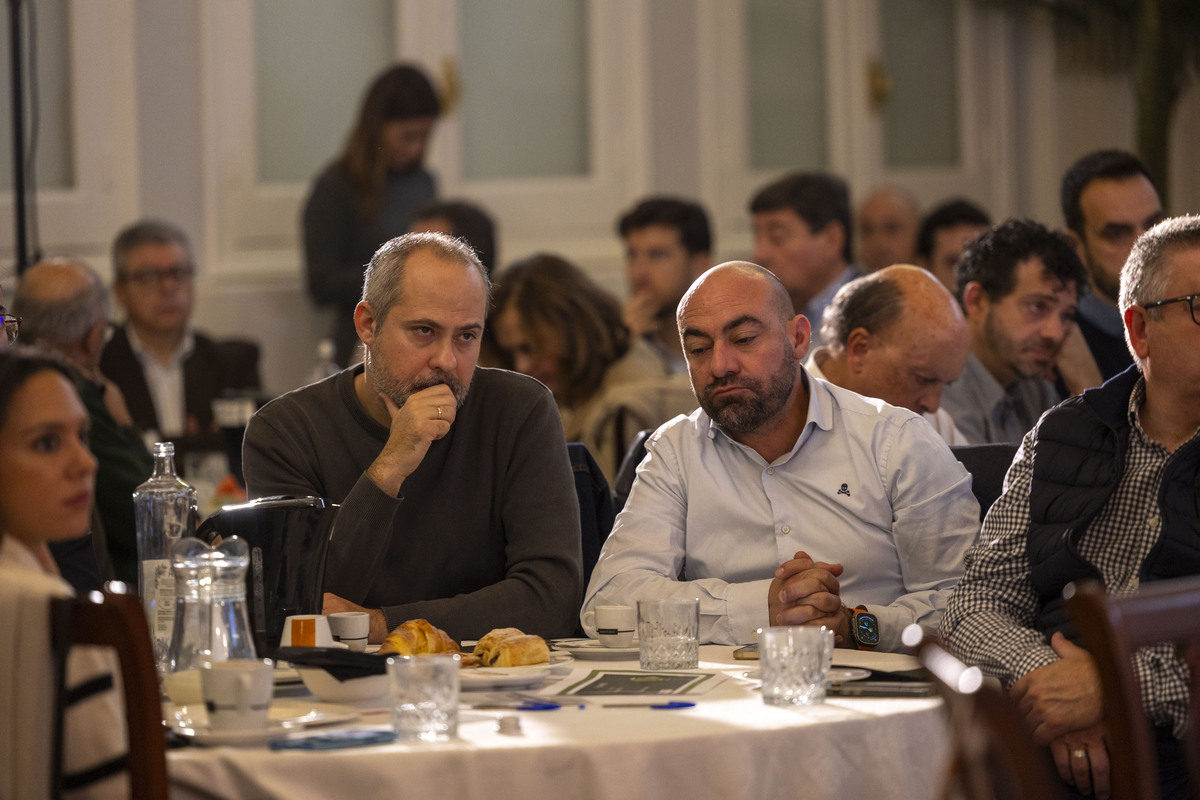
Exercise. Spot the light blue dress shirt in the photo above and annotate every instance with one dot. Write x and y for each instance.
(867, 485)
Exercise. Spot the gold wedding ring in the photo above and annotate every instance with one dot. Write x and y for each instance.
(439, 408)
(1079, 754)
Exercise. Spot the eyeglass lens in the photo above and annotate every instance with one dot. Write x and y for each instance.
(150, 277)
(12, 327)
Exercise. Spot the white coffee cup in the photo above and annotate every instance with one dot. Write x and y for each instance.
(306, 630)
(350, 628)
(237, 694)
(615, 625)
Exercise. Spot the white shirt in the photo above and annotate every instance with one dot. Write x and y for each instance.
(940, 420)
(867, 485)
(165, 382)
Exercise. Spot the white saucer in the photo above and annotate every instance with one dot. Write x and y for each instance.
(477, 679)
(283, 717)
(592, 650)
(206, 737)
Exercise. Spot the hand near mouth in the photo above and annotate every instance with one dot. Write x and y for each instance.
(425, 417)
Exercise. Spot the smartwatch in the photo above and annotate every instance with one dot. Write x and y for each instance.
(864, 628)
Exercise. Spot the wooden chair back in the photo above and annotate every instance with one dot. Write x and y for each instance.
(994, 756)
(1113, 628)
(119, 621)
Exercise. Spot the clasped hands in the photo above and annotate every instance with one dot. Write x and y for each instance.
(1063, 707)
(807, 592)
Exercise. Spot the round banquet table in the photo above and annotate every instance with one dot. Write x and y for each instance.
(729, 746)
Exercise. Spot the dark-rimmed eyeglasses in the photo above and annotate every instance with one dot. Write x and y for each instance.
(11, 326)
(1190, 299)
(180, 273)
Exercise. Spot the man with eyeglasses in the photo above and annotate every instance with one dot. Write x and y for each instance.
(1103, 488)
(1018, 284)
(170, 374)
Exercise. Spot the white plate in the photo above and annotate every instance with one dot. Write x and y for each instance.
(592, 650)
(847, 674)
(836, 674)
(487, 678)
(283, 716)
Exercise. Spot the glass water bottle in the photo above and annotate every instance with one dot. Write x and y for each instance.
(165, 509)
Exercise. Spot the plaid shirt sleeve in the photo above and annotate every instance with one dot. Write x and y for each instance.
(990, 617)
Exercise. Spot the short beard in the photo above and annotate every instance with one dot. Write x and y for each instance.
(398, 390)
(741, 416)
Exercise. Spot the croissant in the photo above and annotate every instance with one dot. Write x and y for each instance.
(417, 637)
(509, 647)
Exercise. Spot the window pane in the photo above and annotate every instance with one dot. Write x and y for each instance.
(314, 60)
(524, 77)
(920, 118)
(786, 47)
(54, 167)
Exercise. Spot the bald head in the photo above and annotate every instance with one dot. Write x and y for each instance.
(887, 228)
(61, 302)
(898, 335)
(743, 341)
(739, 275)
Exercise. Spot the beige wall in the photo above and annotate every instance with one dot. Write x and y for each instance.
(1058, 118)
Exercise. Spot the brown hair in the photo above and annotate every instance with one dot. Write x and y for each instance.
(401, 92)
(555, 298)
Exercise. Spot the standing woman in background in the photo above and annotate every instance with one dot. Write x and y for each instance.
(370, 194)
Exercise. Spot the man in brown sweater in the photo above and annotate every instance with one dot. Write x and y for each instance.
(457, 506)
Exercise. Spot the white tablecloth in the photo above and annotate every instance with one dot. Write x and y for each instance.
(729, 746)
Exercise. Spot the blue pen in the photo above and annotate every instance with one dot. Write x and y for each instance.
(656, 706)
(528, 705)
(538, 706)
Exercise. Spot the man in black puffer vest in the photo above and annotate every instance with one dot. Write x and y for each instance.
(1107, 487)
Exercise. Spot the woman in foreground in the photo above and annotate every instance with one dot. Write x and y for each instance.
(47, 475)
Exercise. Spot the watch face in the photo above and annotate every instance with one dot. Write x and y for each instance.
(866, 629)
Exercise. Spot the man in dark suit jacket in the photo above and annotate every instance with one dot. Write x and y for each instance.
(169, 373)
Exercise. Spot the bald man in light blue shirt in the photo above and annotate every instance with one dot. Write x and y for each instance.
(784, 499)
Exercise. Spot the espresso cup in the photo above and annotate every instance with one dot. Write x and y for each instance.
(350, 628)
(615, 625)
(237, 694)
(306, 630)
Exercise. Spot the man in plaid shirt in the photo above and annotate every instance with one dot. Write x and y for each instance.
(1104, 487)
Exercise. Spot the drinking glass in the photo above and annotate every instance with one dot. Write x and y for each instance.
(668, 634)
(795, 661)
(425, 696)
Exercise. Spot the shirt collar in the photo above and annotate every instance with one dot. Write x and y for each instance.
(820, 415)
(185, 348)
(816, 306)
(1102, 315)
